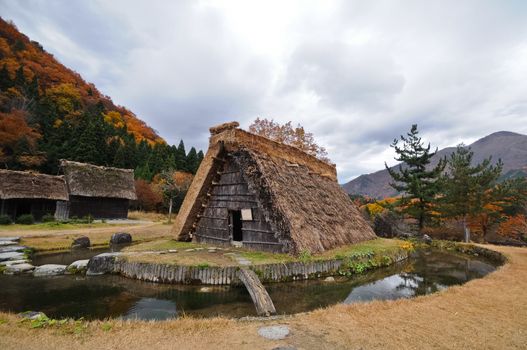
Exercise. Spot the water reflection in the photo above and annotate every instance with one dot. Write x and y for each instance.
(114, 296)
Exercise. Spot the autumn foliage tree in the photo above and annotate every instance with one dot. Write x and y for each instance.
(173, 186)
(148, 198)
(289, 135)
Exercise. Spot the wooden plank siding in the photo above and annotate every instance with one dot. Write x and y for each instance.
(230, 192)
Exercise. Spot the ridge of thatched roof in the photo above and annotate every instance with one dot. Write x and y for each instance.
(299, 192)
(27, 184)
(90, 180)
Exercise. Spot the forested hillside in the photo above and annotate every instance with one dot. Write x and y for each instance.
(48, 112)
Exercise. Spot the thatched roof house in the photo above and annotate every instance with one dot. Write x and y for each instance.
(267, 196)
(23, 192)
(102, 192)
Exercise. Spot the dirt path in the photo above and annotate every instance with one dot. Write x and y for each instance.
(488, 313)
(80, 231)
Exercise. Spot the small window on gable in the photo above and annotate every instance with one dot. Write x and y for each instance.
(247, 214)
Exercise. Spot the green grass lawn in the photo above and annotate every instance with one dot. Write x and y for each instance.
(378, 247)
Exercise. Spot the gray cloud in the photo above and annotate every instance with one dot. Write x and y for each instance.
(355, 73)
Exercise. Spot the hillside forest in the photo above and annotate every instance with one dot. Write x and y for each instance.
(48, 112)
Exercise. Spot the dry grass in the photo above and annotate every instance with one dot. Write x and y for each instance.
(43, 240)
(488, 313)
(148, 216)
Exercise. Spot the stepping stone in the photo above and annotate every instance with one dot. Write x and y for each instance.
(172, 250)
(189, 250)
(19, 269)
(79, 266)
(10, 239)
(32, 315)
(6, 243)
(12, 248)
(13, 262)
(81, 242)
(274, 332)
(329, 279)
(121, 238)
(102, 263)
(12, 256)
(49, 270)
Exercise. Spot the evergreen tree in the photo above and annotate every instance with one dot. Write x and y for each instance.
(20, 79)
(417, 184)
(5, 79)
(181, 156)
(467, 189)
(192, 161)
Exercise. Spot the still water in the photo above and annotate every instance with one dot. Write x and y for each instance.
(99, 297)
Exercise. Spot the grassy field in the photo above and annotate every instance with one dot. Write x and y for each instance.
(487, 313)
(45, 239)
(225, 257)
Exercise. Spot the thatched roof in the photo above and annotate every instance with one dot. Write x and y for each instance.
(299, 193)
(25, 184)
(97, 181)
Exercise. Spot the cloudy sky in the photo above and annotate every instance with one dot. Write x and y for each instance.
(355, 73)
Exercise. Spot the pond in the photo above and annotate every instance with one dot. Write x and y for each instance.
(99, 297)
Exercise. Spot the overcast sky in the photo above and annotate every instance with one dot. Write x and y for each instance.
(355, 73)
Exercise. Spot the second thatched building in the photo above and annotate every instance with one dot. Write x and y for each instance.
(101, 192)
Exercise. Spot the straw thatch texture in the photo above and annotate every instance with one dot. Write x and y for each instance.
(89, 180)
(299, 194)
(23, 184)
(310, 208)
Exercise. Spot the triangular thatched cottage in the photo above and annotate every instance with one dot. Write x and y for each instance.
(264, 195)
(102, 192)
(24, 192)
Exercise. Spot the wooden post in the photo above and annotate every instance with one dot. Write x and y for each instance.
(466, 230)
(170, 211)
(2, 208)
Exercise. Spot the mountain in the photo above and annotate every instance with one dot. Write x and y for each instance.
(508, 146)
(48, 112)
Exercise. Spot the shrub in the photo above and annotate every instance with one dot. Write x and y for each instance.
(5, 220)
(25, 219)
(48, 218)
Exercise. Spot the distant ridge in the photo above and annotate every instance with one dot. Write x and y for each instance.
(508, 146)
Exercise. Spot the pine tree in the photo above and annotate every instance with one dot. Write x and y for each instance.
(192, 161)
(417, 184)
(5, 79)
(181, 156)
(466, 189)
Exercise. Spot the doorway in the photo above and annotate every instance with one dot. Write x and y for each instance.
(236, 225)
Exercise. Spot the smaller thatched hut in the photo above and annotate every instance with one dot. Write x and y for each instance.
(264, 195)
(23, 192)
(101, 192)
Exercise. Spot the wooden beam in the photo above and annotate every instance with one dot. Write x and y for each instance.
(257, 242)
(261, 299)
(210, 237)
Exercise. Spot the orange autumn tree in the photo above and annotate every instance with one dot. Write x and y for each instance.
(17, 139)
(173, 185)
(148, 198)
(289, 135)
